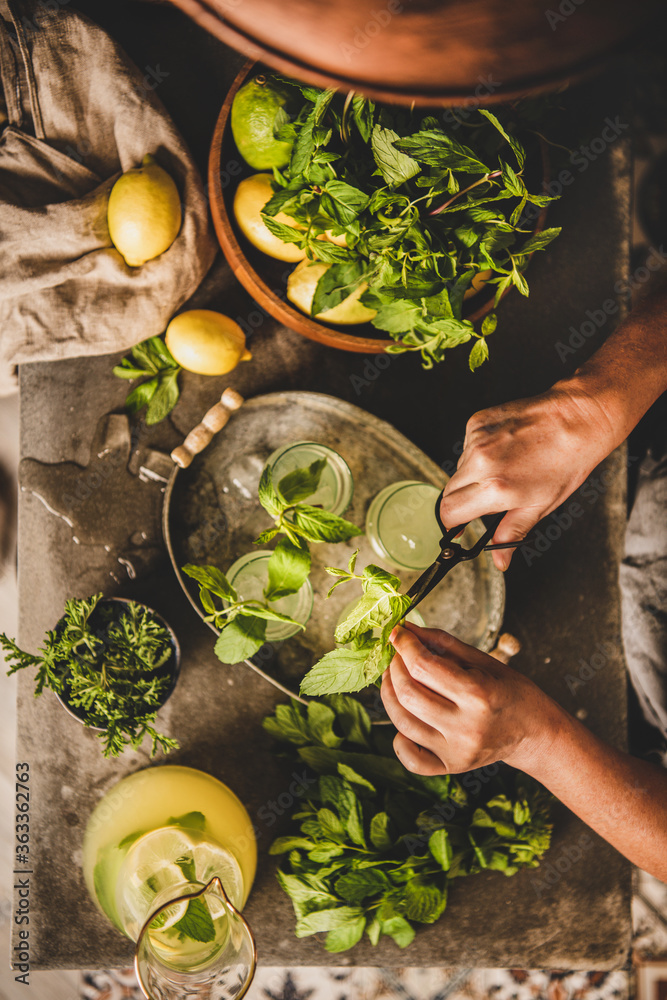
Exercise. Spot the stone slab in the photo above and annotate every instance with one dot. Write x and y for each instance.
(570, 914)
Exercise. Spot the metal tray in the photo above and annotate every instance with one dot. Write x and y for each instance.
(212, 516)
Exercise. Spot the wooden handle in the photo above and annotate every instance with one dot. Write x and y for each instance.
(213, 421)
(506, 647)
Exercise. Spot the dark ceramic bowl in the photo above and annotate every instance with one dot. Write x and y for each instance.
(171, 668)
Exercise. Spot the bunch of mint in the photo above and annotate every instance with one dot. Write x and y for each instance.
(375, 848)
(151, 361)
(422, 213)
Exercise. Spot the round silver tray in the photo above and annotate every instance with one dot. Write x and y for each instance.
(212, 516)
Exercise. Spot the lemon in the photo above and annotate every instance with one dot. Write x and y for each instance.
(477, 284)
(144, 213)
(206, 342)
(251, 196)
(301, 286)
(253, 118)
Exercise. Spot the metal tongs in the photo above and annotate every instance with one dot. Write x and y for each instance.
(452, 553)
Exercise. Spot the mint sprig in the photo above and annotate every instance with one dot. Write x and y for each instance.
(299, 521)
(152, 362)
(365, 630)
(374, 847)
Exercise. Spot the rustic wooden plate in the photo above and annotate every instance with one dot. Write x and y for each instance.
(212, 516)
(266, 278)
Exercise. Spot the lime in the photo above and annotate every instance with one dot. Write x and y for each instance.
(251, 196)
(206, 342)
(301, 286)
(253, 121)
(144, 213)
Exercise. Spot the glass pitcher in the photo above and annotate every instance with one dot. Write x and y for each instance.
(169, 856)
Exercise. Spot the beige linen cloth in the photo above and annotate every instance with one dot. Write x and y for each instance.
(77, 113)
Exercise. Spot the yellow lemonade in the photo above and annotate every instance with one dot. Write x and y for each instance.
(162, 833)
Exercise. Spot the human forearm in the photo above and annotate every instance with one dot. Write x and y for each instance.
(628, 373)
(622, 798)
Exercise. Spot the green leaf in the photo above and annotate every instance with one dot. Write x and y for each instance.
(540, 240)
(423, 903)
(240, 639)
(399, 929)
(342, 202)
(330, 826)
(141, 395)
(437, 149)
(513, 183)
(127, 370)
(327, 920)
(398, 316)
(342, 938)
(299, 484)
(319, 525)
(192, 821)
(352, 718)
(197, 922)
(164, 399)
(288, 569)
(339, 670)
(288, 723)
(321, 720)
(372, 610)
(518, 149)
(341, 795)
(478, 354)
(379, 832)
(268, 497)
(519, 281)
(489, 324)
(394, 166)
(355, 886)
(440, 847)
(212, 579)
(288, 234)
(281, 845)
(355, 779)
(337, 282)
(362, 112)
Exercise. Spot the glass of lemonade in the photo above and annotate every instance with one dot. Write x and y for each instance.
(336, 487)
(169, 856)
(249, 577)
(401, 525)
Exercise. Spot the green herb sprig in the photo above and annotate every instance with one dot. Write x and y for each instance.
(107, 664)
(422, 213)
(242, 623)
(365, 632)
(375, 847)
(159, 391)
(299, 521)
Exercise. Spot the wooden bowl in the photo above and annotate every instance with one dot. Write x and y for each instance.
(266, 278)
(427, 52)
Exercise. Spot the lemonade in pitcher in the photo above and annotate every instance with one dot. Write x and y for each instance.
(154, 849)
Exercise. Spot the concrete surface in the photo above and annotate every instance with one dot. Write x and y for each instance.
(573, 914)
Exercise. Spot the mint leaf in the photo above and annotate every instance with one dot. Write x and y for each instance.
(440, 847)
(240, 639)
(268, 497)
(353, 718)
(187, 865)
(337, 282)
(423, 903)
(141, 395)
(212, 579)
(362, 112)
(197, 922)
(399, 930)
(379, 832)
(299, 484)
(288, 569)
(321, 720)
(339, 670)
(327, 920)
(394, 166)
(518, 149)
(165, 397)
(435, 148)
(342, 202)
(355, 886)
(317, 525)
(479, 354)
(342, 938)
(191, 820)
(540, 240)
(288, 234)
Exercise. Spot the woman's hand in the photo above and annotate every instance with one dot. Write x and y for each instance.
(457, 708)
(526, 458)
